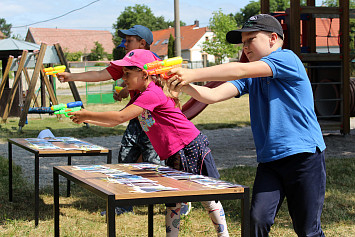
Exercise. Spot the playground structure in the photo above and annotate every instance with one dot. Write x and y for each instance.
(329, 73)
(34, 59)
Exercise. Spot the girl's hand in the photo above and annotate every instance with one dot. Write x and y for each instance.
(120, 95)
(79, 117)
(63, 77)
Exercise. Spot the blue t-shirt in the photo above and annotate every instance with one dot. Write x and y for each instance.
(282, 114)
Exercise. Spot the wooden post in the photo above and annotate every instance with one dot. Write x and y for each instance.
(11, 97)
(63, 61)
(31, 89)
(265, 6)
(27, 77)
(344, 51)
(6, 74)
(294, 33)
(49, 89)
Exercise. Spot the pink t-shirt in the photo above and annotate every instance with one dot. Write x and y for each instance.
(167, 127)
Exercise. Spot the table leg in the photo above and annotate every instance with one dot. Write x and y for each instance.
(150, 220)
(109, 157)
(110, 216)
(56, 203)
(68, 181)
(10, 171)
(36, 189)
(245, 214)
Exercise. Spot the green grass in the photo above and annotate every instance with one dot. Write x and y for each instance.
(80, 213)
(226, 114)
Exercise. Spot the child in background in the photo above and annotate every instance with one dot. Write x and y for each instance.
(287, 136)
(173, 136)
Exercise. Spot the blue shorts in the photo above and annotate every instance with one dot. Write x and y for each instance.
(135, 143)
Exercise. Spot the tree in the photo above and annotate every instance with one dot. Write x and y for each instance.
(171, 47)
(220, 24)
(5, 28)
(253, 8)
(139, 15)
(97, 53)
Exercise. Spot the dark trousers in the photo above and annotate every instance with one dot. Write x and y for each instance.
(301, 179)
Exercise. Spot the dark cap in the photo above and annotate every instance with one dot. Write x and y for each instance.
(138, 30)
(262, 22)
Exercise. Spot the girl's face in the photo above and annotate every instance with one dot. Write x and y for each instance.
(135, 79)
(256, 44)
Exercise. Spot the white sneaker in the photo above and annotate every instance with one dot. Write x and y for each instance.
(185, 208)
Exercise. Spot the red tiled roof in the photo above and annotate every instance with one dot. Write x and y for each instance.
(72, 40)
(322, 29)
(2, 36)
(190, 35)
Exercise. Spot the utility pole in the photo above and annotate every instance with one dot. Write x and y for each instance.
(177, 28)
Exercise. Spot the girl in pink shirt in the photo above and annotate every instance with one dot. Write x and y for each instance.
(173, 136)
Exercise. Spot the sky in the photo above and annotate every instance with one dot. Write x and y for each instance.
(102, 14)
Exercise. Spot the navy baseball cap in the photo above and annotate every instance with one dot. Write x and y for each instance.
(261, 22)
(138, 30)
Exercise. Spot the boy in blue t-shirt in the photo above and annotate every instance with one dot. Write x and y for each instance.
(287, 136)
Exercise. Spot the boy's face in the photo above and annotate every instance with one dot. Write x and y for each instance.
(134, 79)
(256, 44)
(132, 43)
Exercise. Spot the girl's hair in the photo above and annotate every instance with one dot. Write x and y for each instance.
(161, 83)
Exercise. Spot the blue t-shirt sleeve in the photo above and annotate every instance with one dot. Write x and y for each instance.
(241, 85)
(281, 70)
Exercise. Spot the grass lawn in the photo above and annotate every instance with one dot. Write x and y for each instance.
(80, 213)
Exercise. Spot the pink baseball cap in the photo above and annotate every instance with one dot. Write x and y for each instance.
(136, 57)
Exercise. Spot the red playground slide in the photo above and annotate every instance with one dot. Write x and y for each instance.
(192, 107)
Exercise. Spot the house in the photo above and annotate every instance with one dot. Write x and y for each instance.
(72, 41)
(327, 35)
(192, 37)
(2, 36)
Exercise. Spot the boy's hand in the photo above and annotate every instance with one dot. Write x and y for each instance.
(63, 77)
(78, 116)
(121, 95)
(185, 76)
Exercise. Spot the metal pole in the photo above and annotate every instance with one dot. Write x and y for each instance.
(177, 28)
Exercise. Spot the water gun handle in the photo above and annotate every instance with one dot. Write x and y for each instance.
(163, 71)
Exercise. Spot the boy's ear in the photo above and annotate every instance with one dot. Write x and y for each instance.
(274, 38)
(142, 43)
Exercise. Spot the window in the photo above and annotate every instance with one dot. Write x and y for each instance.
(165, 41)
(156, 43)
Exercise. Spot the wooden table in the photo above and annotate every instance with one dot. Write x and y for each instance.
(121, 195)
(23, 143)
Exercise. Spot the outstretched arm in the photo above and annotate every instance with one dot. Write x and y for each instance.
(91, 76)
(223, 72)
(211, 95)
(108, 118)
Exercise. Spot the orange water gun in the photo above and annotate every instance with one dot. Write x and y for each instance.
(162, 67)
(54, 70)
